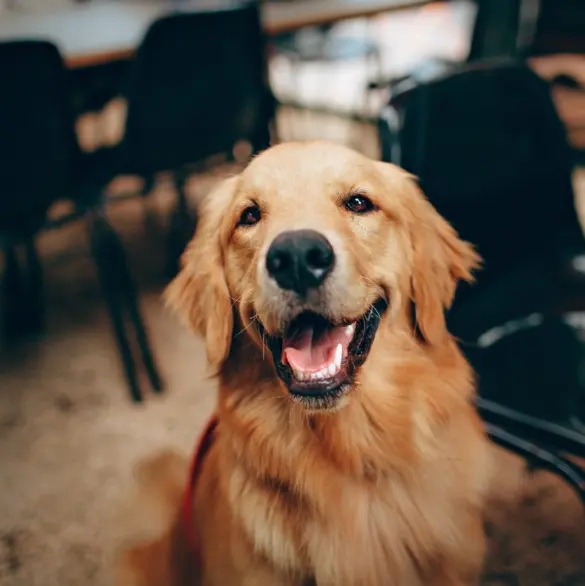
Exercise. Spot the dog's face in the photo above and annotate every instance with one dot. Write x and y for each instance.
(308, 251)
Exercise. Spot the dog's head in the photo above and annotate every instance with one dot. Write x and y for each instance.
(308, 251)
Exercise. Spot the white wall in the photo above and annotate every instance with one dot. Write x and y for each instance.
(32, 5)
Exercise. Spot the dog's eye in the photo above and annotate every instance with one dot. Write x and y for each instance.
(359, 204)
(250, 216)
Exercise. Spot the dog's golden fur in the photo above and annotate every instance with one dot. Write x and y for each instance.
(388, 488)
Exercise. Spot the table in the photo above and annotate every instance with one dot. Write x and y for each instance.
(287, 16)
(107, 30)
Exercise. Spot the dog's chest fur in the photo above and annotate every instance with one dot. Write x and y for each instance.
(372, 534)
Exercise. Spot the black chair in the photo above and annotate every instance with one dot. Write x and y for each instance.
(94, 86)
(40, 164)
(492, 156)
(198, 86)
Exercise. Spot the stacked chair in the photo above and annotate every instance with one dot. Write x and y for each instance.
(41, 164)
(197, 86)
(492, 156)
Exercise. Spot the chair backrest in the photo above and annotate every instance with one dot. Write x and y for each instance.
(560, 27)
(37, 137)
(496, 30)
(492, 156)
(198, 85)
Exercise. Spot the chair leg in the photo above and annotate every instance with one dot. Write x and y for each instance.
(36, 306)
(152, 219)
(12, 294)
(559, 438)
(22, 292)
(144, 346)
(106, 259)
(540, 457)
(128, 289)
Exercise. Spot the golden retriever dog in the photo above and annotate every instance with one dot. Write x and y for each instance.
(345, 450)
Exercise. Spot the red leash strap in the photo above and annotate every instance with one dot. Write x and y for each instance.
(205, 442)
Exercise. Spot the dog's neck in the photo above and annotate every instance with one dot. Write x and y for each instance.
(375, 434)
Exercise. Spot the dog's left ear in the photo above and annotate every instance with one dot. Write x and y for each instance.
(440, 260)
(199, 293)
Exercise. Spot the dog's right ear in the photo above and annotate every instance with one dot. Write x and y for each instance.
(199, 293)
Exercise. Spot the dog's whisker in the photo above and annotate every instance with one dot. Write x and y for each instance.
(377, 312)
(263, 345)
(254, 318)
(381, 292)
(239, 299)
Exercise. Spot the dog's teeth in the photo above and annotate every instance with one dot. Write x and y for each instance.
(349, 330)
(326, 372)
(338, 356)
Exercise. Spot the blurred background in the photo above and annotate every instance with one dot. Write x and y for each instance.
(117, 117)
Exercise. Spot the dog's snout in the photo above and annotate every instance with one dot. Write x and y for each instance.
(300, 260)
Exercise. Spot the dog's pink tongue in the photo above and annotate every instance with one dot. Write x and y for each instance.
(310, 351)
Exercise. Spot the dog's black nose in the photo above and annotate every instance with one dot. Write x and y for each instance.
(300, 260)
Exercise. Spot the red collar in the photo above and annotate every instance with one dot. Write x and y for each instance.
(204, 443)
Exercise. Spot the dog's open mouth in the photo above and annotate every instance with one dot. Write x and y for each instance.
(317, 358)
